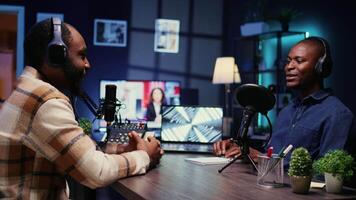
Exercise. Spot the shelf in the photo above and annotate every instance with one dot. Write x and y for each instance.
(271, 34)
(260, 71)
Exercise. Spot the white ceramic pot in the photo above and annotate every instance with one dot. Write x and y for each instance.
(333, 183)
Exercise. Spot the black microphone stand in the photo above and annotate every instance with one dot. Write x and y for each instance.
(242, 139)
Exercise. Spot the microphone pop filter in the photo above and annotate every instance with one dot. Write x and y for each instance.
(256, 96)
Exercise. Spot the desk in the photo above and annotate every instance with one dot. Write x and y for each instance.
(175, 178)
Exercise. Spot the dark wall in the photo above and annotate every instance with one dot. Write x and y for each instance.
(339, 22)
(106, 62)
(190, 66)
(334, 20)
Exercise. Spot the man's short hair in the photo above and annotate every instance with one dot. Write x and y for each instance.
(37, 39)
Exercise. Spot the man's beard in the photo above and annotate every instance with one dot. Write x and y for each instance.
(74, 77)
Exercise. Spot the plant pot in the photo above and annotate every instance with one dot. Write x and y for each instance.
(333, 183)
(300, 184)
(285, 26)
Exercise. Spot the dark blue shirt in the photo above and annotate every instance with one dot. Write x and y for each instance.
(320, 122)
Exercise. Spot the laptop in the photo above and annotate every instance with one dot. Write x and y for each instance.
(191, 128)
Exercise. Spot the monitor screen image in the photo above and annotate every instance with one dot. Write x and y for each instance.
(135, 95)
(191, 124)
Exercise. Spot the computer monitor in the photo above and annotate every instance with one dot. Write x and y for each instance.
(192, 124)
(134, 95)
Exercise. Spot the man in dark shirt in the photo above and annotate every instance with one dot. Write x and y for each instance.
(315, 119)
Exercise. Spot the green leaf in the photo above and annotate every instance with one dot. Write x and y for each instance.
(300, 163)
(335, 162)
(86, 125)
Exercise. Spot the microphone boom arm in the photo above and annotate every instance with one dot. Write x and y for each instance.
(89, 103)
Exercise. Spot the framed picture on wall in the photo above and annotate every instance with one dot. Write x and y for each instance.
(110, 32)
(166, 36)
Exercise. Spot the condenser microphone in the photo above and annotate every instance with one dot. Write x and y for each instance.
(110, 103)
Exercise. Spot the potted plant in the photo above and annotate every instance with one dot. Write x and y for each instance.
(254, 20)
(86, 125)
(336, 165)
(300, 170)
(285, 16)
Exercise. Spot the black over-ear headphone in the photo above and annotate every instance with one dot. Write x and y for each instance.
(323, 66)
(56, 49)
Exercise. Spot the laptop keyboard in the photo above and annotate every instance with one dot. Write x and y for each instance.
(201, 148)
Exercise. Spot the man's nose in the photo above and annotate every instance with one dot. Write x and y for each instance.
(87, 64)
(289, 66)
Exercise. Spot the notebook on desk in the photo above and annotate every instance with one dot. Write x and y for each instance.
(191, 128)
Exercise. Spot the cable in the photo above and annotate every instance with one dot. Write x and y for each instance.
(270, 130)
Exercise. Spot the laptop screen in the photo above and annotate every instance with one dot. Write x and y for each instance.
(193, 124)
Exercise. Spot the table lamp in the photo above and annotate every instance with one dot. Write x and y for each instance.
(226, 72)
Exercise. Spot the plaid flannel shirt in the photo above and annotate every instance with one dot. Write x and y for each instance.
(40, 143)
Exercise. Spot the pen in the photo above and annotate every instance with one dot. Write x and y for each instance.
(286, 151)
(269, 152)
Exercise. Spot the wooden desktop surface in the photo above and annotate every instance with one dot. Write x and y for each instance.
(176, 178)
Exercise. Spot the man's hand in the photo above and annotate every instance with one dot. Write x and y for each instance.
(230, 149)
(226, 148)
(151, 146)
(115, 148)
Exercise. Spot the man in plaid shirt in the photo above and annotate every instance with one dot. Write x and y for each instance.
(40, 140)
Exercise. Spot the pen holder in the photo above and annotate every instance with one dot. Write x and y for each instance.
(270, 171)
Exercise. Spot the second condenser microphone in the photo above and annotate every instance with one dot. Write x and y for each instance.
(110, 103)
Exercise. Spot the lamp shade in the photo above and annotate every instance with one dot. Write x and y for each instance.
(237, 78)
(226, 71)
